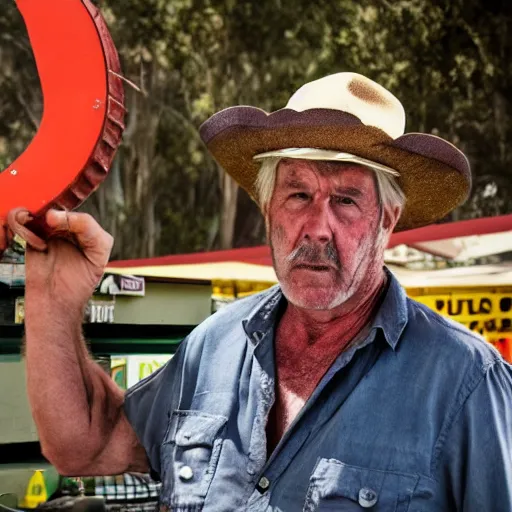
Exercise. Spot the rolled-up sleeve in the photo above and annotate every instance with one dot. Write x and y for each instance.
(147, 405)
(476, 459)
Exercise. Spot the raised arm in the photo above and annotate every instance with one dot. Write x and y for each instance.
(76, 406)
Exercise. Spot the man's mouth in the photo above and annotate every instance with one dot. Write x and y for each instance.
(313, 267)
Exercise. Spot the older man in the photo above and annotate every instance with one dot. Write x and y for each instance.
(330, 391)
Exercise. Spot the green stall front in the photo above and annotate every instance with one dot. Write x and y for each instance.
(132, 325)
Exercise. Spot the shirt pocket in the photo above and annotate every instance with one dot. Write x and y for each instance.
(190, 453)
(341, 487)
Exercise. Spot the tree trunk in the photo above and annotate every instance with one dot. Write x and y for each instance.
(228, 216)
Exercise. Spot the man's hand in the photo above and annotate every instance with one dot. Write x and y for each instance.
(73, 264)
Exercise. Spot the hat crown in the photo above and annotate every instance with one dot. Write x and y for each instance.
(355, 94)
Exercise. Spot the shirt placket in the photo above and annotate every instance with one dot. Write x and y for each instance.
(312, 415)
(263, 361)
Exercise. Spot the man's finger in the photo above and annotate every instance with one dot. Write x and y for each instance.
(82, 225)
(82, 228)
(57, 220)
(16, 220)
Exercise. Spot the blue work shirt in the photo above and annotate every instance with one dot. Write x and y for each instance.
(416, 417)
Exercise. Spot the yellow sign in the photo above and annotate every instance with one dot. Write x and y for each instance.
(146, 368)
(36, 491)
(489, 314)
(19, 310)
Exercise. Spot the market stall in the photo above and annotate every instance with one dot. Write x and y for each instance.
(132, 325)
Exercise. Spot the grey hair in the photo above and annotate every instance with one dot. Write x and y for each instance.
(390, 193)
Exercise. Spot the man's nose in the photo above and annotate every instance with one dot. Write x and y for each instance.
(317, 227)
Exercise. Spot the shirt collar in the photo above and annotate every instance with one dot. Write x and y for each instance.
(391, 318)
(263, 316)
(392, 315)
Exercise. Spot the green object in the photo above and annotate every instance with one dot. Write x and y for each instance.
(52, 480)
(9, 500)
(109, 339)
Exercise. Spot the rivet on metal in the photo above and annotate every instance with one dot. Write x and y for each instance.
(14, 172)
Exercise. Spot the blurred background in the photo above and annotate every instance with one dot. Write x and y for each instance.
(449, 62)
(165, 199)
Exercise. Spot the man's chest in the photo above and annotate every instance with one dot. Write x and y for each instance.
(362, 433)
(299, 369)
(286, 407)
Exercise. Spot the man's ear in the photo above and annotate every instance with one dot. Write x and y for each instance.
(390, 218)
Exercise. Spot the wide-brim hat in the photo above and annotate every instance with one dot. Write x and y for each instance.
(350, 115)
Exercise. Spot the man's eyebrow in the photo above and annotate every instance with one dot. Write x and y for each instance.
(294, 183)
(351, 191)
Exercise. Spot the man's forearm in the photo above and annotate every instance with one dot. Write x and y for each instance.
(74, 402)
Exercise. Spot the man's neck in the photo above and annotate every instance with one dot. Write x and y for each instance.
(346, 320)
(306, 345)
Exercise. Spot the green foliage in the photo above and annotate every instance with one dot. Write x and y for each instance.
(449, 63)
(20, 95)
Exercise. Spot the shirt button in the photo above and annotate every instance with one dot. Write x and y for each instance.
(186, 473)
(264, 483)
(367, 497)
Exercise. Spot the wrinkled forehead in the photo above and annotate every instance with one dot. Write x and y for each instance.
(336, 172)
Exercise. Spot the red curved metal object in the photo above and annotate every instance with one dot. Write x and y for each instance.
(83, 115)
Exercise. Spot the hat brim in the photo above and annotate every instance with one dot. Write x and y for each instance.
(325, 155)
(434, 175)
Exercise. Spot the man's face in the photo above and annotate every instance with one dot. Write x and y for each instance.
(323, 230)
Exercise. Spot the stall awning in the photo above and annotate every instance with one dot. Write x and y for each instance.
(222, 271)
(457, 240)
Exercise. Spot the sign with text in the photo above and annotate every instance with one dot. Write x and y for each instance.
(130, 369)
(489, 314)
(96, 312)
(99, 312)
(117, 284)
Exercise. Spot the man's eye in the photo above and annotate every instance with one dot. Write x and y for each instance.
(343, 200)
(300, 195)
